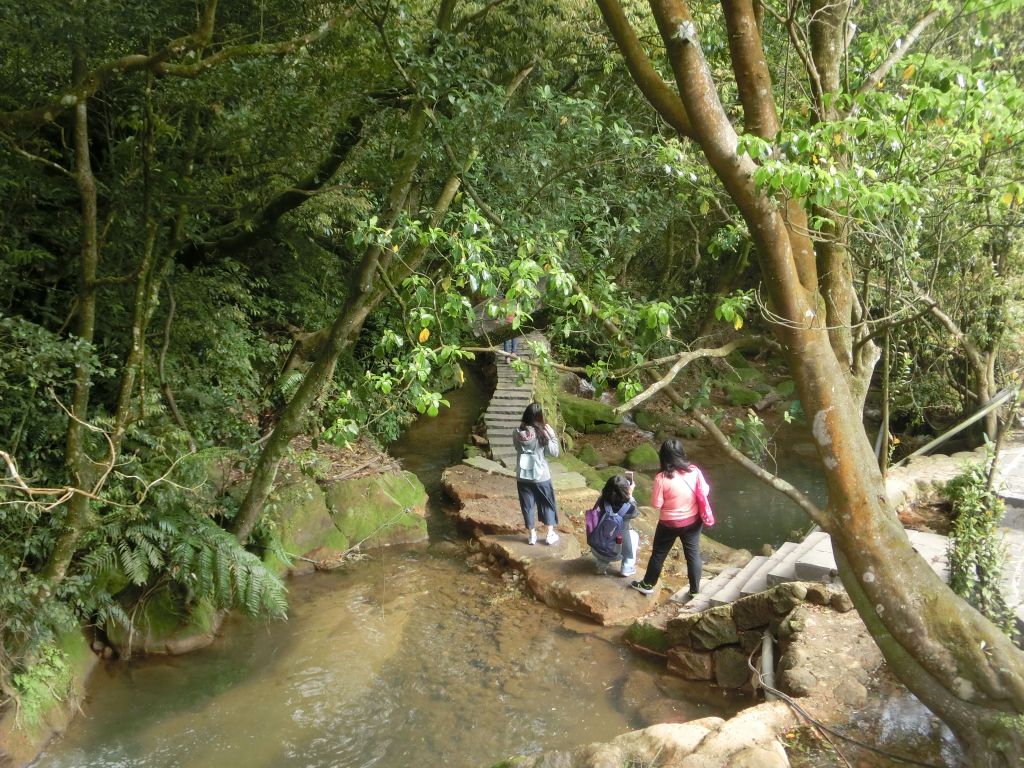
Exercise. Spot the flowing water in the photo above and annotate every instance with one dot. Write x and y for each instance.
(409, 657)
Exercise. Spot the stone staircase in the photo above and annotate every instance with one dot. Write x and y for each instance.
(809, 560)
(510, 398)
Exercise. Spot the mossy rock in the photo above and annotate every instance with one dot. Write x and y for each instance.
(648, 421)
(738, 394)
(644, 635)
(571, 463)
(379, 510)
(300, 521)
(47, 708)
(589, 416)
(165, 625)
(644, 457)
(690, 432)
(589, 455)
(746, 374)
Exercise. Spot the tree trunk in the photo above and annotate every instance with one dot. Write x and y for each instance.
(79, 463)
(962, 666)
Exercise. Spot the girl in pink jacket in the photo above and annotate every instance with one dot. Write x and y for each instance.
(675, 496)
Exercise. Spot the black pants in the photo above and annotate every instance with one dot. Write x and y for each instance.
(664, 538)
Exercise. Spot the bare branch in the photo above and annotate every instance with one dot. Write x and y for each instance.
(683, 360)
(903, 45)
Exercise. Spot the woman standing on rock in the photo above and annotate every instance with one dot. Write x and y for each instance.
(534, 441)
(675, 495)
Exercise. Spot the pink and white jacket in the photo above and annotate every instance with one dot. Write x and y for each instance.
(675, 498)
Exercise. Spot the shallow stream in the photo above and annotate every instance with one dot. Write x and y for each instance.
(408, 657)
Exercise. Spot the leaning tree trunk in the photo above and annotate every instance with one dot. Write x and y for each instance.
(956, 661)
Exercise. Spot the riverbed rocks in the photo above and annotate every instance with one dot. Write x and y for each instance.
(748, 740)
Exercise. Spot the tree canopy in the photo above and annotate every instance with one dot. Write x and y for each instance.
(229, 225)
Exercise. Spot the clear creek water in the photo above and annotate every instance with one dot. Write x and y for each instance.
(409, 657)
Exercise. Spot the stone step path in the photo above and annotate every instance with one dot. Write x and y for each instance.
(510, 398)
(809, 560)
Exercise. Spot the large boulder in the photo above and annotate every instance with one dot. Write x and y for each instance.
(751, 740)
(301, 522)
(379, 510)
(644, 457)
(589, 416)
(165, 625)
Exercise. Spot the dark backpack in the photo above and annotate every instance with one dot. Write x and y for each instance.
(608, 527)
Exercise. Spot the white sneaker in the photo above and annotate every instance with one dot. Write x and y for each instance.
(551, 538)
(533, 537)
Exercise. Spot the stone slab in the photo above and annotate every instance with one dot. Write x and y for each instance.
(734, 588)
(758, 582)
(786, 569)
(707, 590)
(488, 466)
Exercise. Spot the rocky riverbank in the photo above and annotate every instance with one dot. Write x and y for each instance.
(825, 658)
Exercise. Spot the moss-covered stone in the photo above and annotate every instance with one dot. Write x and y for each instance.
(644, 457)
(379, 510)
(589, 455)
(648, 420)
(298, 518)
(739, 394)
(644, 635)
(746, 374)
(571, 463)
(590, 416)
(164, 624)
(53, 702)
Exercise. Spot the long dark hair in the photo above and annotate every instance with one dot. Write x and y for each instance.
(616, 491)
(673, 457)
(533, 416)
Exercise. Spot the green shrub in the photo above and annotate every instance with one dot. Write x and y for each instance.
(976, 551)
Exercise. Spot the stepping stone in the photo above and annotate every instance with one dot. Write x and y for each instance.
(786, 568)
(566, 481)
(758, 581)
(703, 599)
(488, 466)
(817, 563)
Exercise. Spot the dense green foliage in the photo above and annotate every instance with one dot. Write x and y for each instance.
(242, 177)
(977, 554)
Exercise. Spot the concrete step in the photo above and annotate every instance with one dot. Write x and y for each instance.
(817, 563)
(707, 590)
(758, 581)
(785, 570)
(511, 392)
(734, 589)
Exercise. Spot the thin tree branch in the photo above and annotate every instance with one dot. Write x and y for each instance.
(899, 51)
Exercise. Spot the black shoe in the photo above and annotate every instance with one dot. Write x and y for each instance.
(639, 586)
